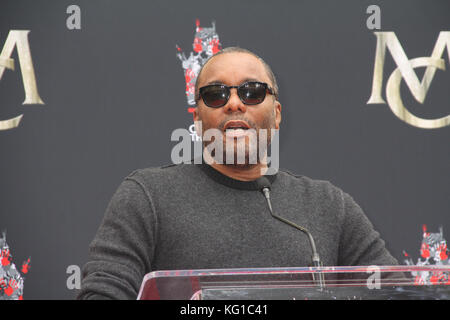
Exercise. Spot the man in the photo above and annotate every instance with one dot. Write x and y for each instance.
(205, 216)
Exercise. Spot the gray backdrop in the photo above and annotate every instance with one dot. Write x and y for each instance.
(114, 92)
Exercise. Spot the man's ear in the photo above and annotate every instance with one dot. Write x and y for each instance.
(277, 114)
(197, 119)
(195, 114)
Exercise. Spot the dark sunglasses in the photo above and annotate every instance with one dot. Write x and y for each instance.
(250, 93)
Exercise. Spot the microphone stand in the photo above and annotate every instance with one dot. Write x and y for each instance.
(315, 256)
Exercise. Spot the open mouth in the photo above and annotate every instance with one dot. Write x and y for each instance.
(236, 129)
(236, 125)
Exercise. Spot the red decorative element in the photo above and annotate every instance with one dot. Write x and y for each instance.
(26, 266)
(215, 45)
(9, 291)
(425, 250)
(198, 45)
(434, 279)
(425, 233)
(443, 251)
(5, 257)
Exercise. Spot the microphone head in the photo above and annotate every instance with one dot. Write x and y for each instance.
(263, 182)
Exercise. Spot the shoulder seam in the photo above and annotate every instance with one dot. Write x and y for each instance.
(291, 173)
(300, 176)
(168, 165)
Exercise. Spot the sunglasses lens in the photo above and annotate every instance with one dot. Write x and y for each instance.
(252, 92)
(214, 96)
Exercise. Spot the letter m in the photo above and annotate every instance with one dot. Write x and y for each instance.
(418, 89)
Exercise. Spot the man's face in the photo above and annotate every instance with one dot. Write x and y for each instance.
(233, 69)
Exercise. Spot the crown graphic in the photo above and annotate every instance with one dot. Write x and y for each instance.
(11, 280)
(434, 251)
(206, 44)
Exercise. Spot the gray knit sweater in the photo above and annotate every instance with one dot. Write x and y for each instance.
(192, 217)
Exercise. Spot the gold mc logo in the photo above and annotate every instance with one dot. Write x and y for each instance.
(405, 69)
(19, 39)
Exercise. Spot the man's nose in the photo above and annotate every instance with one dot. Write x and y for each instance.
(234, 104)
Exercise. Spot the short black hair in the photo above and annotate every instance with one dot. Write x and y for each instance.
(242, 50)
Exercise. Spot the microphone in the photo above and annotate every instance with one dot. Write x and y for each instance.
(264, 185)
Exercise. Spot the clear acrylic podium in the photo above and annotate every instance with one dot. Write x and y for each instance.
(306, 283)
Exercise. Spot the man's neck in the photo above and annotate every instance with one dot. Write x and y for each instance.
(240, 172)
(243, 172)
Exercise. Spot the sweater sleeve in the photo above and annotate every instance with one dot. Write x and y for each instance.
(360, 244)
(122, 250)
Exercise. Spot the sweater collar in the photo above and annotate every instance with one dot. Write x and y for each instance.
(230, 182)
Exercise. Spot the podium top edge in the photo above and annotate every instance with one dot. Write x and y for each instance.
(295, 270)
